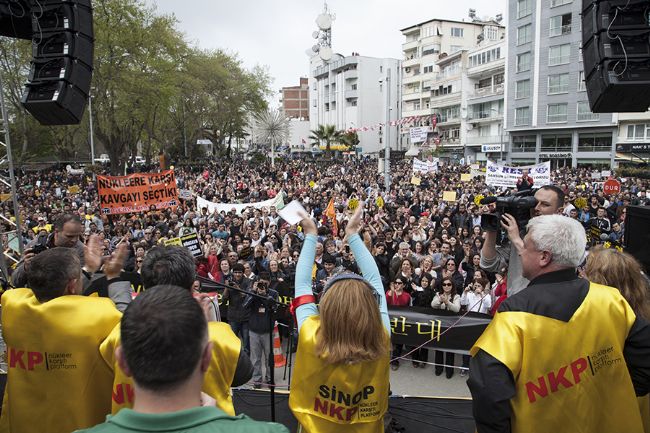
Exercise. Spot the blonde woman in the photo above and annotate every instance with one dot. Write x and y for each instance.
(616, 269)
(341, 373)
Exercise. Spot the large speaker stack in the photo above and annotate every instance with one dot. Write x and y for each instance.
(62, 61)
(637, 235)
(616, 54)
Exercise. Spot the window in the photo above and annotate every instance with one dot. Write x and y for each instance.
(498, 79)
(524, 8)
(416, 106)
(523, 62)
(353, 87)
(427, 69)
(451, 69)
(582, 85)
(556, 143)
(522, 116)
(491, 33)
(524, 34)
(584, 113)
(484, 57)
(555, 3)
(595, 142)
(352, 102)
(560, 25)
(426, 85)
(456, 32)
(449, 113)
(558, 83)
(559, 54)
(455, 48)
(524, 143)
(638, 131)
(522, 89)
(429, 30)
(430, 49)
(556, 113)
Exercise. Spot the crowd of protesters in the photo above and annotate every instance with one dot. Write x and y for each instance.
(427, 249)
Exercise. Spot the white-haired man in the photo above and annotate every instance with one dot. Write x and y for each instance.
(563, 354)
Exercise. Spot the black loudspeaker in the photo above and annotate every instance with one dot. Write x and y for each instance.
(616, 54)
(62, 64)
(637, 235)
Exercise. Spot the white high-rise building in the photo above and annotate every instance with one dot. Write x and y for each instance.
(435, 80)
(349, 92)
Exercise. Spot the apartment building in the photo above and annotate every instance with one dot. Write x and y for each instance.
(350, 93)
(547, 110)
(435, 80)
(295, 100)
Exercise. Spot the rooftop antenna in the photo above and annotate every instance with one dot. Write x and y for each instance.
(323, 35)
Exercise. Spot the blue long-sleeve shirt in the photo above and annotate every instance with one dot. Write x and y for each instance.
(366, 264)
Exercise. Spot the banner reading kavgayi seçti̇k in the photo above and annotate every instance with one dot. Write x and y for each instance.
(137, 192)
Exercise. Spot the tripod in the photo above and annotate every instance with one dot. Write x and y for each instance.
(271, 364)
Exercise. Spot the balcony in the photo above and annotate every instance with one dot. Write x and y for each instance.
(483, 92)
(484, 116)
(488, 139)
(410, 111)
(414, 78)
(410, 61)
(350, 94)
(351, 74)
(448, 99)
(486, 69)
(409, 45)
(445, 120)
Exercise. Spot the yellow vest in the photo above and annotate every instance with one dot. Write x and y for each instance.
(221, 371)
(57, 381)
(569, 376)
(334, 397)
(644, 407)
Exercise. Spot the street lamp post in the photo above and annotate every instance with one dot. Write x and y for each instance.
(92, 138)
(387, 135)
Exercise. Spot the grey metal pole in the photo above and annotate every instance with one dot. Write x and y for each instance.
(387, 135)
(10, 163)
(92, 135)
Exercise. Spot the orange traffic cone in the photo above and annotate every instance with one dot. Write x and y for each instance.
(278, 356)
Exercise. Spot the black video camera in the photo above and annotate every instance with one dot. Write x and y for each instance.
(518, 205)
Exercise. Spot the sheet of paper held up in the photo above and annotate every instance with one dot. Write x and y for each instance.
(292, 212)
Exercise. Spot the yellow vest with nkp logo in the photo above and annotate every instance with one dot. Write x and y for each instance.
(216, 383)
(351, 398)
(57, 382)
(570, 376)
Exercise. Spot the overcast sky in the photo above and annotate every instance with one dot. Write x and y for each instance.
(276, 33)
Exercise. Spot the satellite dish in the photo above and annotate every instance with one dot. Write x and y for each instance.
(325, 53)
(315, 48)
(324, 21)
(315, 34)
(470, 126)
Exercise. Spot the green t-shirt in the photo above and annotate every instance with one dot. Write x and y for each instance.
(195, 420)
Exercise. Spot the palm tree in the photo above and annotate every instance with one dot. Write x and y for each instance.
(326, 133)
(271, 126)
(349, 139)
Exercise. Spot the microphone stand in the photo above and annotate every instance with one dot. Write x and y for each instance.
(271, 364)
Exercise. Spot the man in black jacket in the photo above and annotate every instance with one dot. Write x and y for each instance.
(261, 312)
(563, 354)
(238, 312)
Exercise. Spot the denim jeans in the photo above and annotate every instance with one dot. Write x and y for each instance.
(241, 330)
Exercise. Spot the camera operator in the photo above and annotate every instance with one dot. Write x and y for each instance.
(260, 327)
(66, 233)
(550, 200)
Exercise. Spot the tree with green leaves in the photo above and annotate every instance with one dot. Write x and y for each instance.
(327, 134)
(349, 139)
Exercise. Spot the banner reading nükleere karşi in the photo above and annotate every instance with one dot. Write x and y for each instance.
(137, 192)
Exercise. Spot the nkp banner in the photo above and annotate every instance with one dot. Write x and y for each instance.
(503, 175)
(137, 192)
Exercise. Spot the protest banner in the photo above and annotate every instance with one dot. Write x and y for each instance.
(185, 194)
(449, 196)
(418, 134)
(465, 177)
(278, 202)
(191, 242)
(137, 192)
(415, 180)
(425, 166)
(504, 175)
